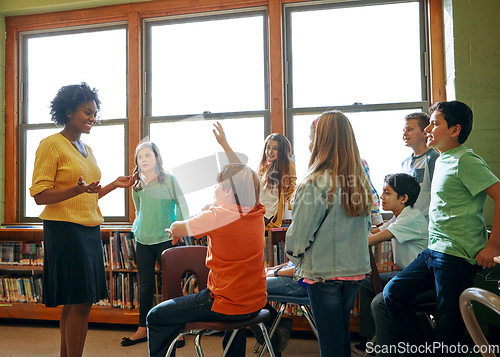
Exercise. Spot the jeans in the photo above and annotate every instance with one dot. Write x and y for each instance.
(166, 320)
(450, 276)
(366, 295)
(146, 257)
(331, 304)
(285, 285)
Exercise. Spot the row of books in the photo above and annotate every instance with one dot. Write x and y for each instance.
(384, 257)
(21, 253)
(278, 252)
(194, 241)
(122, 252)
(21, 289)
(125, 291)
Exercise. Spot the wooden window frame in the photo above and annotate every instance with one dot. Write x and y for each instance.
(133, 14)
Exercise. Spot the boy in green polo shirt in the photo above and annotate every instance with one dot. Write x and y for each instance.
(458, 239)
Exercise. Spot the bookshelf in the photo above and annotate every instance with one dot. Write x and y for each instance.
(105, 312)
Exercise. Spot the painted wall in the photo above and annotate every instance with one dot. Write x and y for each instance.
(473, 69)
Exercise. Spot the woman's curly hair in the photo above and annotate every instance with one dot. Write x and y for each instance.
(68, 98)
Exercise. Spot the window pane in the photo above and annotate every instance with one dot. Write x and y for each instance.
(189, 150)
(365, 54)
(379, 136)
(215, 66)
(107, 144)
(97, 57)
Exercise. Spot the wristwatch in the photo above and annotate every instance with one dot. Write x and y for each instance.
(276, 271)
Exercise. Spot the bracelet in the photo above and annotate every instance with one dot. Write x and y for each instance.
(276, 271)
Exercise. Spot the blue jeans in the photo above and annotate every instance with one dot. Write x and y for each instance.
(166, 320)
(285, 285)
(331, 304)
(450, 276)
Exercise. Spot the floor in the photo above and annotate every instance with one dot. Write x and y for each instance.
(35, 338)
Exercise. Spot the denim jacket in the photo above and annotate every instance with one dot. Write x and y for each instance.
(323, 241)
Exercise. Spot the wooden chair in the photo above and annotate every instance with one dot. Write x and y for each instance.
(178, 261)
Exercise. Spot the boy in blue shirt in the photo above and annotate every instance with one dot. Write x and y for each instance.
(458, 239)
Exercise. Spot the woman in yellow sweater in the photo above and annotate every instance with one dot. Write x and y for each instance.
(66, 180)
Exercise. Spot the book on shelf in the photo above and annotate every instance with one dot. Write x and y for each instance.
(125, 290)
(190, 240)
(20, 289)
(21, 253)
(382, 253)
(122, 251)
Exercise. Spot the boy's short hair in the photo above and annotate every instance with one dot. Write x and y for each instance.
(454, 113)
(404, 184)
(243, 182)
(421, 117)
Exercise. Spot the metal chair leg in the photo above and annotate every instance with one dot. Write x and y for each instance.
(263, 328)
(197, 343)
(172, 344)
(280, 307)
(309, 317)
(372, 340)
(233, 335)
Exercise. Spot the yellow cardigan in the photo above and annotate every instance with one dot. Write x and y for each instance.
(59, 165)
(289, 183)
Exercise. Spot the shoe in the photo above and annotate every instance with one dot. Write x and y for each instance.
(283, 331)
(258, 334)
(361, 347)
(128, 342)
(260, 340)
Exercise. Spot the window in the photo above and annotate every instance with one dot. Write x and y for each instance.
(365, 59)
(51, 59)
(201, 70)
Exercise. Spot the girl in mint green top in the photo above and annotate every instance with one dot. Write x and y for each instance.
(158, 203)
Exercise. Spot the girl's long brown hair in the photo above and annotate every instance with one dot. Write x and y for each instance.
(335, 149)
(280, 167)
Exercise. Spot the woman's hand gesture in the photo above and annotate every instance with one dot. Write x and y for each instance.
(125, 181)
(93, 187)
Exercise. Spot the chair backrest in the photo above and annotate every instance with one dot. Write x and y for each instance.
(177, 261)
(375, 276)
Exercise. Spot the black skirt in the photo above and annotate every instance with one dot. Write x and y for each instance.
(73, 266)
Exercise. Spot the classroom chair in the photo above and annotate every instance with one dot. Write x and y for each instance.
(176, 262)
(282, 302)
(486, 298)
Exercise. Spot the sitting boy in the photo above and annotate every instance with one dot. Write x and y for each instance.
(458, 239)
(236, 287)
(407, 230)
